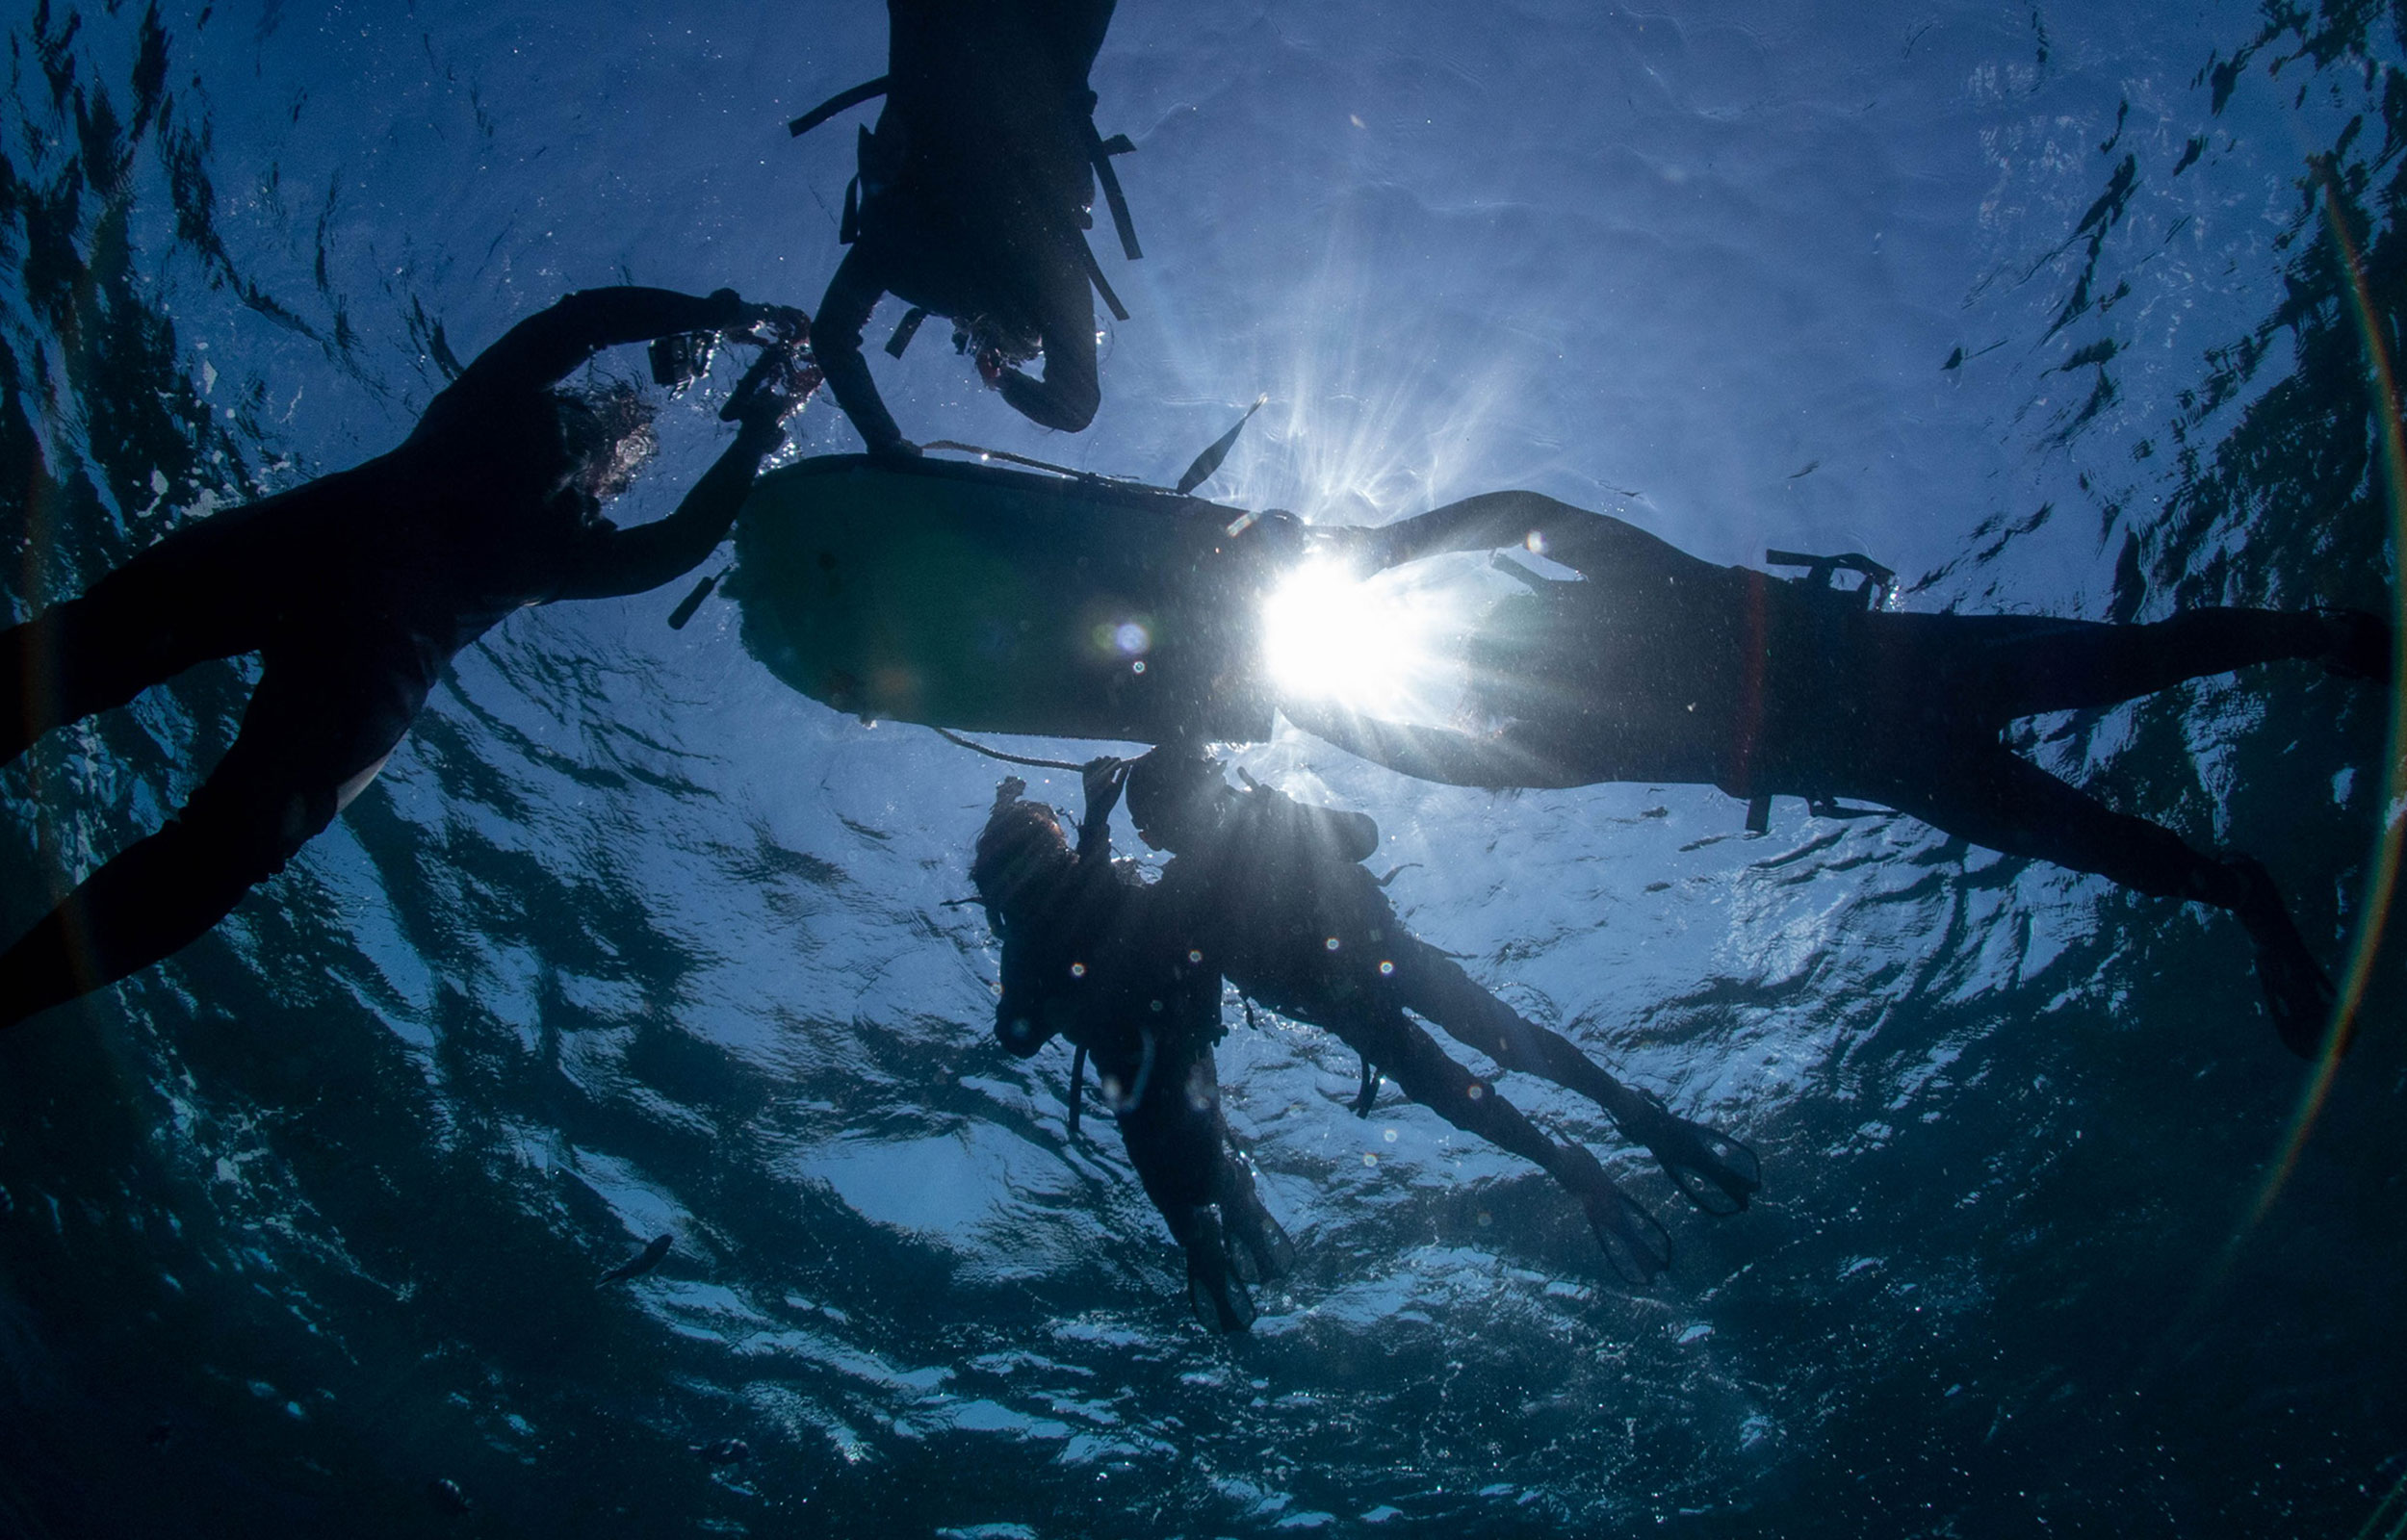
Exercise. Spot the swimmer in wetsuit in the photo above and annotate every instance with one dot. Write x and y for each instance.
(1091, 954)
(355, 590)
(1280, 901)
(1660, 667)
(973, 200)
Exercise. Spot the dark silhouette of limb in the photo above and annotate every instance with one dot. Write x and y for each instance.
(1982, 792)
(836, 343)
(204, 592)
(1178, 1144)
(1712, 1171)
(2001, 667)
(1068, 393)
(1594, 544)
(1634, 1242)
(633, 561)
(320, 725)
(547, 345)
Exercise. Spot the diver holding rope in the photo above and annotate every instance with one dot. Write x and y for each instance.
(356, 589)
(1658, 666)
(1092, 953)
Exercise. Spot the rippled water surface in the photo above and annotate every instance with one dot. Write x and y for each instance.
(2045, 308)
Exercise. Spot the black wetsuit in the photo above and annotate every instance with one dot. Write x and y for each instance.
(1660, 667)
(355, 590)
(976, 191)
(1097, 955)
(1280, 901)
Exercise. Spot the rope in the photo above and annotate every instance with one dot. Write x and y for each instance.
(952, 736)
(1016, 459)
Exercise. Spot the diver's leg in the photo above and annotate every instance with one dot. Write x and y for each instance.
(141, 625)
(2018, 665)
(1632, 1241)
(315, 731)
(1985, 794)
(1174, 1136)
(1714, 1171)
(1070, 390)
(1258, 1247)
(852, 294)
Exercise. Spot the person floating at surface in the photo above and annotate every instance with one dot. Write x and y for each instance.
(1278, 899)
(355, 589)
(974, 199)
(1090, 953)
(1662, 667)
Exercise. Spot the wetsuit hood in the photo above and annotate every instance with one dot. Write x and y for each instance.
(1020, 856)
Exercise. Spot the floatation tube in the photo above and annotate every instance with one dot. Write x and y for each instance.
(965, 595)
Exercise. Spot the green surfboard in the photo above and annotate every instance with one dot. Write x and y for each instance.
(966, 595)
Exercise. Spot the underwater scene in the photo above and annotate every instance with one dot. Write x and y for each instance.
(1025, 768)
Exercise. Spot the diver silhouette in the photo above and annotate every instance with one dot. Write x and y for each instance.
(1658, 666)
(1091, 953)
(1274, 894)
(355, 590)
(973, 202)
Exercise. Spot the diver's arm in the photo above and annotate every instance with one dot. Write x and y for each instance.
(630, 561)
(547, 345)
(1591, 544)
(836, 343)
(1066, 398)
(1104, 780)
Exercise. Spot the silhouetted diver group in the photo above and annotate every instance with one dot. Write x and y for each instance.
(973, 201)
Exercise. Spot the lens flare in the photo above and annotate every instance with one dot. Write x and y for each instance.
(1365, 644)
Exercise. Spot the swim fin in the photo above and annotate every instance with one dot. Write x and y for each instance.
(1210, 460)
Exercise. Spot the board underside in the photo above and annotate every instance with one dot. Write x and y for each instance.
(967, 597)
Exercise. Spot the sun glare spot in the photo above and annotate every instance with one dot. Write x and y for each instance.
(1367, 646)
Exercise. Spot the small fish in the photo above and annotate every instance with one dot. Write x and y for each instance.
(642, 1262)
(726, 1452)
(159, 1433)
(446, 1491)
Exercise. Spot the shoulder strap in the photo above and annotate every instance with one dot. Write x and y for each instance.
(842, 99)
(1101, 150)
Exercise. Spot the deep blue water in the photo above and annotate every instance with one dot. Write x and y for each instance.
(2045, 308)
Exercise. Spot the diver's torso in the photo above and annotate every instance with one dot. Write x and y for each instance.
(1648, 679)
(1282, 907)
(1108, 964)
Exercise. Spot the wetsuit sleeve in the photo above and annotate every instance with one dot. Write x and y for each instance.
(630, 561)
(1066, 396)
(1595, 545)
(547, 345)
(836, 343)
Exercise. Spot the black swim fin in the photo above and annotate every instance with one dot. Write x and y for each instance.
(686, 606)
(1210, 460)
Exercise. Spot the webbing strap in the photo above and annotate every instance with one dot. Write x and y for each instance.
(852, 96)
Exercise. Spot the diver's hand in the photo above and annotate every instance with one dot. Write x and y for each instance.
(1105, 779)
(758, 324)
(773, 389)
(776, 326)
(991, 367)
